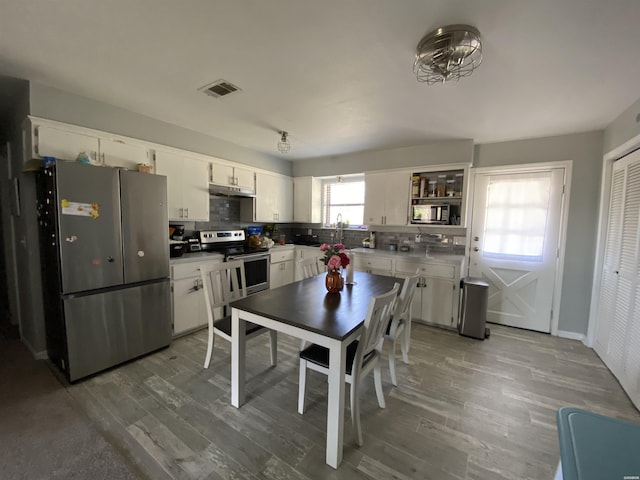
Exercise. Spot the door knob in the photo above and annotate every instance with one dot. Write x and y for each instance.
(475, 249)
(476, 238)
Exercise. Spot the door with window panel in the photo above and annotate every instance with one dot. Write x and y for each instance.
(515, 235)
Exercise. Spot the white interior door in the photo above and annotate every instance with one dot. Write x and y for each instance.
(618, 334)
(515, 235)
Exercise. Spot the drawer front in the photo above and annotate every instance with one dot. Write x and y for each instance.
(283, 256)
(408, 267)
(373, 263)
(425, 269)
(187, 270)
(442, 271)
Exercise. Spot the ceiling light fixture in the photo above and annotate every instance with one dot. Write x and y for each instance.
(283, 145)
(448, 53)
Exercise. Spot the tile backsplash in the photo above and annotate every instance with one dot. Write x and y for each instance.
(225, 214)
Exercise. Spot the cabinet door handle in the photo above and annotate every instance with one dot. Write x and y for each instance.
(181, 212)
(186, 213)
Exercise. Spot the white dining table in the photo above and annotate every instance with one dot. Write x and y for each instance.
(305, 310)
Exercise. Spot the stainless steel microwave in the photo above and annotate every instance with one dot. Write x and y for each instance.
(430, 213)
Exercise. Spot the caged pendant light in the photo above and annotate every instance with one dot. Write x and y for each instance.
(448, 53)
(283, 145)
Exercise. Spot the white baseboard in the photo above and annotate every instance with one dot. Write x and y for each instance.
(41, 355)
(572, 336)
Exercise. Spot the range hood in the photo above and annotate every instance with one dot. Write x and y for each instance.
(230, 191)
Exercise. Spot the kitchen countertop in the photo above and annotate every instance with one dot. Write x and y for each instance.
(196, 257)
(286, 246)
(447, 258)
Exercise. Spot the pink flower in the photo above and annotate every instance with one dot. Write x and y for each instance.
(339, 246)
(334, 262)
(325, 246)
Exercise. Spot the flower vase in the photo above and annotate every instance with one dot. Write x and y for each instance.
(334, 281)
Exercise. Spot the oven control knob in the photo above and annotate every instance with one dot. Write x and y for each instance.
(141, 253)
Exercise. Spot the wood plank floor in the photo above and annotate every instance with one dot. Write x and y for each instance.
(463, 409)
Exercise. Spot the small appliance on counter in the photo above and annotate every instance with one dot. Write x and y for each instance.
(194, 244)
(177, 248)
(176, 232)
(254, 239)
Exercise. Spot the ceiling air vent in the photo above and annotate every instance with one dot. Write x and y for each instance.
(219, 88)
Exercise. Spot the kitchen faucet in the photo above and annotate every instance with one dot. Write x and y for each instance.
(339, 234)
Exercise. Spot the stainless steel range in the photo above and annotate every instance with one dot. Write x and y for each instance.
(233, 245)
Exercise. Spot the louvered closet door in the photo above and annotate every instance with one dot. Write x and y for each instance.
(618, 333)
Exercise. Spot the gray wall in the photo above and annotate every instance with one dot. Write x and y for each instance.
(458, 151)
(14, 106)
(623, 128)
(54, 104)
(585, 149)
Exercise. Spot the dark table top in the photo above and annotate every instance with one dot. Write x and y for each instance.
(306, 304)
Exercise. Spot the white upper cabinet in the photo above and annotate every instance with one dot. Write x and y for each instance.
(386, 198)
(187, 185)
(232, 176)
(65, 145)
(274, 198)
(307, 200)
(117, 153)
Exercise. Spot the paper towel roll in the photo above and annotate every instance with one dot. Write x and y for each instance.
(350, 268)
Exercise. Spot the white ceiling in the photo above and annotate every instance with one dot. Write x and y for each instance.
(336, 74)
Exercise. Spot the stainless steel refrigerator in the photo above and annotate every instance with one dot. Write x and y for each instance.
(105, 257)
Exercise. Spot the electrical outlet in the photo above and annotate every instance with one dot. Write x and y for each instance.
(418, 238)
(309, 231)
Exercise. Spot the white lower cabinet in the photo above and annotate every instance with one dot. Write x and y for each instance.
(189, 307)
(439, 302)
(373, 264)
(436, 299)
(282, 267)
(437, 296)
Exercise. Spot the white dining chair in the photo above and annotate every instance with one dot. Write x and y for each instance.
(400, 325)
(307, 268)
(363, 355)
(224, 283)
